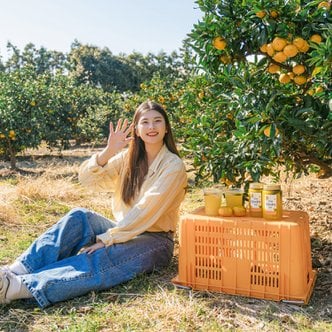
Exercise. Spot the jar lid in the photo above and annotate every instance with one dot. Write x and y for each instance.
(211, 191)
(271, 187)
(234, 191)
(256, 185)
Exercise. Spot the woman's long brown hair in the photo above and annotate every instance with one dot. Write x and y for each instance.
(136, 166)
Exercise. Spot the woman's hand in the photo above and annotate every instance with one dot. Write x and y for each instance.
(93, 248)
(117, 140)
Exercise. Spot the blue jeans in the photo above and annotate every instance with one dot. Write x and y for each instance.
(57, 271)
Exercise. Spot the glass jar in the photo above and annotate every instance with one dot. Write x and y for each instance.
(272, 201)
(255, 199)
(234, 197)
(212, 201)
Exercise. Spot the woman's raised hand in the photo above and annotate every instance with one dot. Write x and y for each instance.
(117, 140)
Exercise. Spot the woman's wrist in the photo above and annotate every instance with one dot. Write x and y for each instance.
(103, 157)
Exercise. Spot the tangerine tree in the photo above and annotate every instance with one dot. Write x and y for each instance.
(261, 96)
(21, 112)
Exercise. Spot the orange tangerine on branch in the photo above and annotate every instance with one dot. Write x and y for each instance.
(305, 48)
(274, 14)
(290, 50)
(226, 59)
(291, 75)
(219, 43)
(325, 5)
(299, 42)
(11, 133)
(279, 43)
(270, 49)
(298, 69)
(284, 78)
(273, 68)
(263, 48)
(280, 57)
(300, 79)
(316, 38)
(261, 14)
(267, 131)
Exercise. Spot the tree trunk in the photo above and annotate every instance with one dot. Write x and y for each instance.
(12, 155)
(325, 169)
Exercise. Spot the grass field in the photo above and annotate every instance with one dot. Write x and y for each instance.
(47, 187)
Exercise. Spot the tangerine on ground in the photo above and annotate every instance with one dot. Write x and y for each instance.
(280, 57)
(298, 69)
(300, 79)
(316, 38)
(279, 43)
(273, 68)
(219, 43)
(284, 78)
(290, 51)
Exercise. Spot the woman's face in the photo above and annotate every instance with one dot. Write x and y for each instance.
(151, 127)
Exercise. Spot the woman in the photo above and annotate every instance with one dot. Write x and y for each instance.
(85, 251)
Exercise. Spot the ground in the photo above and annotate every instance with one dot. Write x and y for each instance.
(46, 187)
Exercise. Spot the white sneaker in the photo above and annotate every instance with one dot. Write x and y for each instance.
(4, 285)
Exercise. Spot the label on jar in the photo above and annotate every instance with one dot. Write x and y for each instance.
(270, 203)
(256, 201)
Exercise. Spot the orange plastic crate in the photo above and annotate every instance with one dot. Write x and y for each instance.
(247, 256)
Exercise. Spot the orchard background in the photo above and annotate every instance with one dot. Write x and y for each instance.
(252, 84)
(249, 96)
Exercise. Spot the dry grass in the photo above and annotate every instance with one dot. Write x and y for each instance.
(48, 187)
(44, 187)
(8, 213)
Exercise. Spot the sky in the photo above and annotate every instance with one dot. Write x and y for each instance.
(123, 26)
